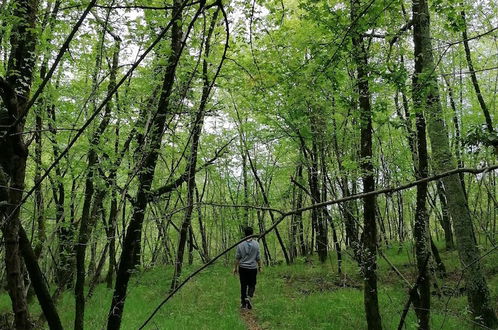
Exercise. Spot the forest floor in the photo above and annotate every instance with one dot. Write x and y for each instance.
(305, 295)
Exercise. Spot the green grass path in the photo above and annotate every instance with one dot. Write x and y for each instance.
(302, 296)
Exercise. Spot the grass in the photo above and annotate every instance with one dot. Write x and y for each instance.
(305, 295)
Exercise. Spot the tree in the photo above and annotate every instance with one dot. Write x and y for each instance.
(443, 160)
(369, 235)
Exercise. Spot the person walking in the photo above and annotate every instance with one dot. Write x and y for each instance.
(247, 265)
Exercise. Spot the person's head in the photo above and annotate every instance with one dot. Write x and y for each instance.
(248, 231)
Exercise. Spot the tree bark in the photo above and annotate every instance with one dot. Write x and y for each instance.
(15, 90)
(146, 176)
(317, 215)
(369, 235)
(267, 204)
(202, 229)
(477, 289)
(421, 229)
(192, 161)
(39, 283)
(445, 217)
(346, 208)
(473, 76)
(327, 214)
(89, 213)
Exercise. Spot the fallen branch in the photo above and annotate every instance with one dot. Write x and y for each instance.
(388, 191)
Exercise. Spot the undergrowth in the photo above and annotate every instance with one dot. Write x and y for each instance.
(305, 295)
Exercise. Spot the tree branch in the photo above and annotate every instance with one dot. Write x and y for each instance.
(94, 115)
(402, 30)
(61, 53)
(184, 177)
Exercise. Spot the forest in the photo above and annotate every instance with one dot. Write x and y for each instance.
(140, 138)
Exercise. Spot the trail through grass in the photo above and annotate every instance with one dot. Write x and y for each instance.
(305, 295)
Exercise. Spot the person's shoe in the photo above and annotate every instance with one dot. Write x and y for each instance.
(243, 305)
(248, 303)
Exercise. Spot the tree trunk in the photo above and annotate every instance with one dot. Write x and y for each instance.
(261, 225)
(15, 91)
(473, 76)
(317, 215)
(369, 235)
(267, 204)
(346, 208)
(111, 239)
(441, 269)
(202, 229)
(421, 229)
(458, 135)
(146, 176)
(89, 213)
(192, 161)
(299, 215)
(445, 218)
(39, 205)
(476, 285)
(328, 216)
(39, 282)
(64, 229)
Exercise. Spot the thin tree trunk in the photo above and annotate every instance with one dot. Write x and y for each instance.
(445, 218)
(49, 19)
(38, 282)
(369, 235)
(146, 176)
(473, 76)
(190, 246)
(89, 213)
(192, 161)
(441, 269)
(64, 229)
(346, 209)
(111, 237)
(421, 229)
(39, 205)
(202, 229)
(317, 215)
(458, 135)
(327, 215)
(261, 226)
(299, 215)
(267, 203)
(245, 184)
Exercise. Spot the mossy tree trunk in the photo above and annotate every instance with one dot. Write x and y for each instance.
(477, 289)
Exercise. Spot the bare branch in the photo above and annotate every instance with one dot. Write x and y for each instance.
(184, 177)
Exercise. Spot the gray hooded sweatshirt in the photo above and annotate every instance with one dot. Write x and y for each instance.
(248, 254)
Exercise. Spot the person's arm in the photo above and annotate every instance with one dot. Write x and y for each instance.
(258, 259)
(237, 261)
(236, 266)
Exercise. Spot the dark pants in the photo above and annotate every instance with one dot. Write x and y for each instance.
(247, 282)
